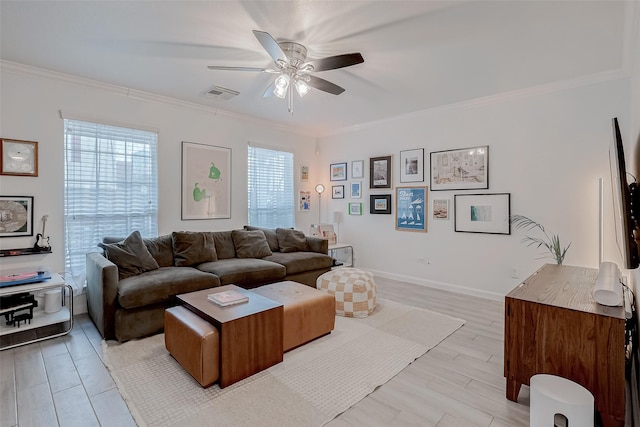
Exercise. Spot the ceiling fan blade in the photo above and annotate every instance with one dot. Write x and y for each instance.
(271, 46)
(333, 62)
(269, 92)
(325, 86)
(222, 68)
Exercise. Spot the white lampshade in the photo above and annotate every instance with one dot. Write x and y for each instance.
(302, 87)
(281, 86)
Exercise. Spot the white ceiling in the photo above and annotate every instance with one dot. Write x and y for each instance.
(418, 54)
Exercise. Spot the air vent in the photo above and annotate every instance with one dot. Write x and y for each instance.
(221, 93)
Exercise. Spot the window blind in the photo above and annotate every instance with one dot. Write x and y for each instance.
(110, 188)
(271, 199)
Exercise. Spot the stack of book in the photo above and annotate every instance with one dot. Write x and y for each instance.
(228, 298)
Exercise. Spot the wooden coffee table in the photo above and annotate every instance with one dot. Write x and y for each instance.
(250, 332)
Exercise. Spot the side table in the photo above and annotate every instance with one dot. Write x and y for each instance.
(43, 325)
(342, 252)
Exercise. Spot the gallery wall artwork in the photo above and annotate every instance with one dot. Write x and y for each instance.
(461, 169)
(380, 172)
(18, 157)
(412, 165)
(206, 181)
(483, 213)
(411, 204)
(304, 201)
(16, 216)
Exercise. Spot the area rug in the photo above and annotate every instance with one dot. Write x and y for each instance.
(314, 383)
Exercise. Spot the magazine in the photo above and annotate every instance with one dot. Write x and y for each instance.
(227, 298)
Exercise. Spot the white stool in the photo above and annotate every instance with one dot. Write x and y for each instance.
(552, 395)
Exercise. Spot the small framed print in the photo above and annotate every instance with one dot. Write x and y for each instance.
(338, 172)
(19, 158)
(355, 208)
(337, 192)
(412, 165)
(357, 169)
(380, 204)
(304, 172)
(356, 190)
(304, 201)
(16, 213)
(440, 209)
(380, 172)
(483, 213)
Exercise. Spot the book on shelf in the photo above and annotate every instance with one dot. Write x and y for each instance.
(228, 298)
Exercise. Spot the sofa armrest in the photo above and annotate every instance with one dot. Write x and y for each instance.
(102, 292)
(318, 244)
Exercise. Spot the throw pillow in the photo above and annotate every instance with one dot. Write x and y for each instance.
(193, 247)
(131, 256)
(291, 240)
(269, 233)
(250, 244)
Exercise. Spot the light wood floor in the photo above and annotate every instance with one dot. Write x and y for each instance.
(460, 382)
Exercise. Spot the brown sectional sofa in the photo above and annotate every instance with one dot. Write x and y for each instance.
(131, 284)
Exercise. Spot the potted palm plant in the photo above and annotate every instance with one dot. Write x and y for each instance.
(550, 242)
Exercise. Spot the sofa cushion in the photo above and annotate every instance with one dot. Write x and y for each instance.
(291, 240)
(162, 285)
(224, 244)
(245, 272)
(297, 262)
(250, 244)
(269, 233)
(193, 247)
(130, 255)
(161, 249)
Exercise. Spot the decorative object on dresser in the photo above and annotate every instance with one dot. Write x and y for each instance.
(552, 243)
(482, 213)
(380, 172)
(554, 326)
(18, 157)
(411, 208)
(206, 181)
(460, 169)
(412, 165)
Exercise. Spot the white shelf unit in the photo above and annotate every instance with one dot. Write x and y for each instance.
(40, 319)
(342, 252)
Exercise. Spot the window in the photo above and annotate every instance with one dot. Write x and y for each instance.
(271, 198)
(110, 188)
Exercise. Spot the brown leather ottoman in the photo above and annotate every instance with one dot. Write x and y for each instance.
(194, 343)
(308, 312)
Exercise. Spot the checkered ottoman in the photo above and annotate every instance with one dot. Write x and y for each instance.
(354, 290)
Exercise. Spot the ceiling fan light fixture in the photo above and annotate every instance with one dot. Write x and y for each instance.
(281, 85)
(302, 87)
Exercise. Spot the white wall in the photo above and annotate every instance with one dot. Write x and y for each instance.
(548, 150)
(30, 104)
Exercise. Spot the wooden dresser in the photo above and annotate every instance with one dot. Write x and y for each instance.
(554, 326)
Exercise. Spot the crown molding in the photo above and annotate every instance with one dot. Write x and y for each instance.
(31, 71)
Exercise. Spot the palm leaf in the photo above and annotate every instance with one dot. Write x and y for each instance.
(551, 243)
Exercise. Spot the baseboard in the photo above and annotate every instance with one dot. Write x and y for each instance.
(440, 285)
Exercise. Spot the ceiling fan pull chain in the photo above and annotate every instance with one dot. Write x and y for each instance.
(291, 100)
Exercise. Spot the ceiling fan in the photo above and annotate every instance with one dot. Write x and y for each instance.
(294, 70)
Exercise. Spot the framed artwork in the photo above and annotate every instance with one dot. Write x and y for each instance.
(410, 208)
(357, 169)
(440, 209)
(412, 165)
(19, 158)
(380, 172)
(483, 213)
(304, 201)
(356, 189)
(206, 181)
(304, 172)
(355, 208)
(16, 216)
(380, 204)
(338, 172)
(337, 192)
(461, 169)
